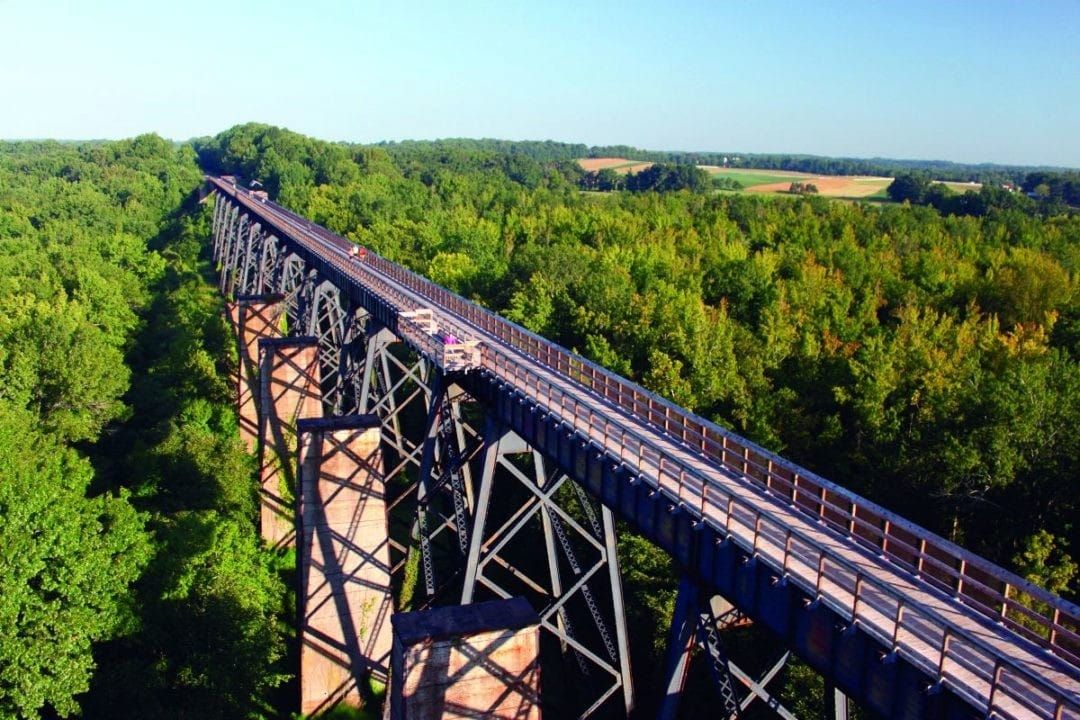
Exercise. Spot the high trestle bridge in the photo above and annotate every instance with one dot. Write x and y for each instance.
(511, 458)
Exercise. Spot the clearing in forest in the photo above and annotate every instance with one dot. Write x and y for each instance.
(959, 187)
(778, 181)
(622, 166)
(763, 181)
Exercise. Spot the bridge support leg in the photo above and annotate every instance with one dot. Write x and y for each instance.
(577, 590)
(254, 318)
(681, 641)
(343, 562)
(836, 703)
(289, 391)
(698, 622)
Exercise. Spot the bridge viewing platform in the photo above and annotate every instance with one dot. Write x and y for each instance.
(902, 620)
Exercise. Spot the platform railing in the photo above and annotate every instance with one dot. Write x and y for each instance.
(1030, 611)
(952, 656)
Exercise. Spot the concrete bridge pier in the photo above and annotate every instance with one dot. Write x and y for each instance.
(343, 559)
(467, 661)
(289, 391)
(253, 318)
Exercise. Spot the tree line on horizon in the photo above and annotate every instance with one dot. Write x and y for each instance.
(553, 151)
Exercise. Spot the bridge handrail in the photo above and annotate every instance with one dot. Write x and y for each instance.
(648, 459)
(746, 460)
(941, 562)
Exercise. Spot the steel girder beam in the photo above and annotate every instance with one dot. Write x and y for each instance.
(248, 270)
(697, 623)
(575, 585)
(270, 262)
(428, 445)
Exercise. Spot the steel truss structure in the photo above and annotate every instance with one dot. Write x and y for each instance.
(454, 535)
(482, 419)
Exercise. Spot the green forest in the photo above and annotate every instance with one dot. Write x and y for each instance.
(927, 359)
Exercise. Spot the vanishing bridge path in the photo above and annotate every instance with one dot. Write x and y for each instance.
(898, 618)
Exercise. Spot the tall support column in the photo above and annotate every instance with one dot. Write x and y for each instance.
(237, 259)
(343, 560)
(227, 226)
(248, 267)
(291, 284)
(836, 703)
(443, 506)
(254, 318)
(681, 640)
(289, 392)
(611, 556)
(215, 225)
(269, 264)
(326, 321)
(230, 263)
(578, 595)
(224, 219)
(352, 358)
(698, 622)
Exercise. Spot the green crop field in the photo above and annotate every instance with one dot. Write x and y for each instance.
(750, 178)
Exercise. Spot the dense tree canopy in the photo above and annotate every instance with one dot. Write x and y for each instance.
(131, 574)
(75, 274)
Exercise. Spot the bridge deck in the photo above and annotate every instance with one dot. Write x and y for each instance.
(928, 612)
(981, 660)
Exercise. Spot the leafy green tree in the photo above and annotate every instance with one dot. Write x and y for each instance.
(907, 188)
(66, 561)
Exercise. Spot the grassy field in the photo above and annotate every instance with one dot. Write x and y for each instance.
(778, 181)
(766, 181)
(753, 178)
(619, 165)
(960, 187)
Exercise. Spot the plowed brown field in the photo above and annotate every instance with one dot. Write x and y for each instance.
(619, 165)
(832, 186)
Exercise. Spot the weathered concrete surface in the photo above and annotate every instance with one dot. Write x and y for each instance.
(253, 318)
(467, 661)
(289, 392)
(343, 557)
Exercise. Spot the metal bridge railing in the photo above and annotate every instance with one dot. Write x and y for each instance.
(1027, 609)
(919, 634)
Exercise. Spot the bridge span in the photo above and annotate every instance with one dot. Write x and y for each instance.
(901, 620)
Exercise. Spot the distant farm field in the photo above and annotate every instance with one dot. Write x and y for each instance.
(766, 181)
(960, 187)
(778, 181)
(619, 165)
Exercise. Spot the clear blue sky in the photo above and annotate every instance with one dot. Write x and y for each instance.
(966, 81)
